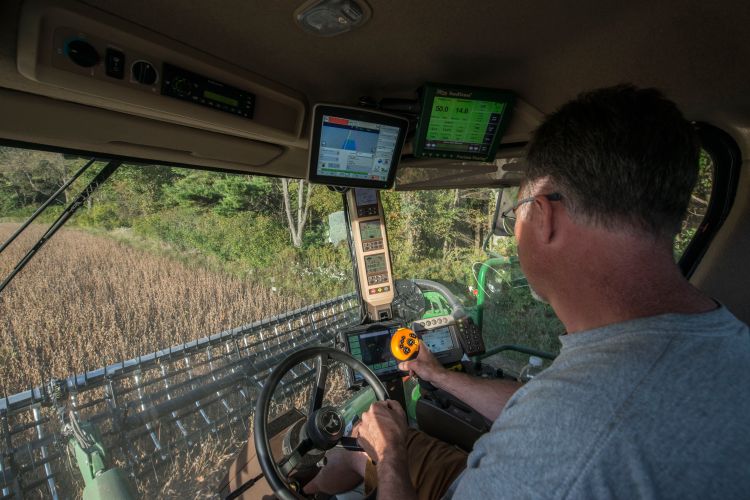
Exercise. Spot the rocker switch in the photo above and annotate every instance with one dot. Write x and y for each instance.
(114, 62)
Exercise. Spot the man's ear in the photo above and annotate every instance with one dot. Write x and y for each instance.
(545, 223)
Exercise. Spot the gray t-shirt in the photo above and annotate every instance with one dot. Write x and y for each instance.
(652, 408)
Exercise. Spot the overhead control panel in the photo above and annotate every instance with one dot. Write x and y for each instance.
(105, 61)
(370, 246)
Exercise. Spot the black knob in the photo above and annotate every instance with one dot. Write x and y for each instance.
(83, 53)
(144, 72)
(181, 87)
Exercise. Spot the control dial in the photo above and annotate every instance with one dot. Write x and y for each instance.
(181, 87)
(143, 72)
(82, 53)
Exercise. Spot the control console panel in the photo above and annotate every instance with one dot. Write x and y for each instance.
(371, 249)
(371, 344)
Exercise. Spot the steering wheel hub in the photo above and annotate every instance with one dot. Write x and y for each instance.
(325, 428)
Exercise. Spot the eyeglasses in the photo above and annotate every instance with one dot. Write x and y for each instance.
(508, 217)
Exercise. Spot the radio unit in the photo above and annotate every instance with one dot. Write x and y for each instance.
(188, 86)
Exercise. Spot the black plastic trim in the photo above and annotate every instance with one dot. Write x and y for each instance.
(727, 160)
(124, 159)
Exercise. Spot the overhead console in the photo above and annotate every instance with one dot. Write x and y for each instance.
(105, 61)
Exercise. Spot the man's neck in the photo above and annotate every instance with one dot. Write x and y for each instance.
(623, 285)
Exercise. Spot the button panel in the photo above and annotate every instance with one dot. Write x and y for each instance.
(376, 279)
(369, 246)
(367, 210)
(380, 289)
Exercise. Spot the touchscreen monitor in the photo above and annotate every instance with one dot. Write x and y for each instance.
(373, 348)
(463, 123)
(355, 147)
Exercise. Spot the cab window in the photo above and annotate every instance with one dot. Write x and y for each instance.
(156, 257)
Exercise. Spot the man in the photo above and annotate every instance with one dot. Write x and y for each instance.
(648, 397)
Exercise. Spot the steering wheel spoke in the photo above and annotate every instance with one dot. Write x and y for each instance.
(321, 377)
(291, 461)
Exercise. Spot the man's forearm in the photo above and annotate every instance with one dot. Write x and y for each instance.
(487, 396)
(393, 478)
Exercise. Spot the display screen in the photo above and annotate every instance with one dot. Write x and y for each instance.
(374, 350)
(462, 122)
(356, 149)
(462, 125)
(370, 230)
(220, 98)
(375, 263)
(439, 340)
(366, 197)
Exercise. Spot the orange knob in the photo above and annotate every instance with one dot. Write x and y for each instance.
(404, 344)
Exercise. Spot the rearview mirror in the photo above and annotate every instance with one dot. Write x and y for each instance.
(506, 198)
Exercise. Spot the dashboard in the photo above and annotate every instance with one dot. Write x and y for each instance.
(371, 345)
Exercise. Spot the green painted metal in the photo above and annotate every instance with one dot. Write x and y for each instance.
(358, 404)
(112, 484)
(436, 305)
(100, 482)
(481, 285)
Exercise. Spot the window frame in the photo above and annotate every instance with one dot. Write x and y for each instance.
(727, 159)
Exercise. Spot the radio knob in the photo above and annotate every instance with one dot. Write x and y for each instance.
(144, 72)
(181, 87)
(82, 53)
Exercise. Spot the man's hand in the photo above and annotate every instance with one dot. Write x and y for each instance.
(382, 432)
(425, 366)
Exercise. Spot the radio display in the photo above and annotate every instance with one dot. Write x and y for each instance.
(220, 98)
(375, 263)
(370, 230)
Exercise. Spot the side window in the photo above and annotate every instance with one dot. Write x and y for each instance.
(445, 236)
(699, 200)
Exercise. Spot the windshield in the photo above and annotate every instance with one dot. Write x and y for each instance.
(167, 283)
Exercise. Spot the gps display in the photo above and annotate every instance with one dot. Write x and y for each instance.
(462, 122)
(439, 340)
(353, 147)
(374, 350)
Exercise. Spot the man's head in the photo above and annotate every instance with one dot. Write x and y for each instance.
(624, 161)
(621, 157)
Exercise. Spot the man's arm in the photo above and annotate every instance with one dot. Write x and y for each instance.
(487, 396)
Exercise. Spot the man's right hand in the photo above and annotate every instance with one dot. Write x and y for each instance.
(425, 366)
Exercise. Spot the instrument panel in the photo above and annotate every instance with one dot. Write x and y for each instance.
(371, 345)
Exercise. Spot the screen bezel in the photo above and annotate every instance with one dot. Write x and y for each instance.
(352, 114)
(428, 94)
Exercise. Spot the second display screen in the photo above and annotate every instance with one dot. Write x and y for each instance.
(375, 263)
(370, 230)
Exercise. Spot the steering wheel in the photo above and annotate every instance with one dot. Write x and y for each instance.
(324, 427)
